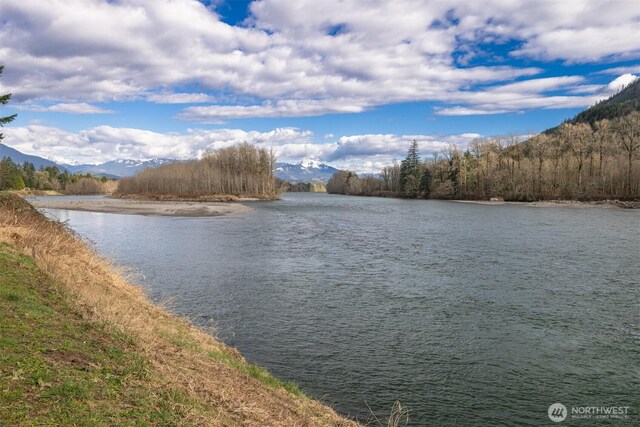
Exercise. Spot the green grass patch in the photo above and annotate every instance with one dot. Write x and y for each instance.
(57, 368)
(182, 341)
(255, 371)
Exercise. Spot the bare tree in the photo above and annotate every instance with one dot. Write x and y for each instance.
(601, 138)
(540, 146)
(627, 130)
(576, 139)
(241, 170)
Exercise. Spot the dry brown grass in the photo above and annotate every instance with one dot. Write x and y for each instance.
(29, 192)
(180, 354)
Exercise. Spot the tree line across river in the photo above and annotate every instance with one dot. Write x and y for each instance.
(19, 177)
(574, 161)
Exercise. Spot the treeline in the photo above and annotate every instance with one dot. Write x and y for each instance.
(575, 162)
(305, 187)
(19, 177)
(242, 170)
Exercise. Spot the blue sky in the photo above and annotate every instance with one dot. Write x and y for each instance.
(345, 82)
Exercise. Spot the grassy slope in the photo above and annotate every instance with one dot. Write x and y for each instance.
(61, 369)
(81, 346)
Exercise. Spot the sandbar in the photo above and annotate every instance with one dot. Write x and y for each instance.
(140, 207)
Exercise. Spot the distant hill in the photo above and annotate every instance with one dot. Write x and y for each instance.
(306, 171)
(620, 104)
(310, 171)
(113, 169)
(20, 158)
(118, 168)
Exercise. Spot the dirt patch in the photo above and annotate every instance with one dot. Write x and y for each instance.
(68, 358)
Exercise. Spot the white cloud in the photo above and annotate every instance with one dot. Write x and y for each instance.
(587, 44)
(464, 111)
(631, 69)
(370, 153)
(104, 143)
(360, 153)
(532, 94)
(180, 98)
(286, 108)
(395, 146)
(573, 31)
(79, 51)
(539, 85)
(72, 108)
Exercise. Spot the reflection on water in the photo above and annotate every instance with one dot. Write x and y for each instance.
(467, 314)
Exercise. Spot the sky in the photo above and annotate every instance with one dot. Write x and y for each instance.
(347, 82)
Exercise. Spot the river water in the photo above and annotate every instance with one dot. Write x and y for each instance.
(468, 314)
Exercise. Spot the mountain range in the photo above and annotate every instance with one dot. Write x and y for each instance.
(304, 171)
(118, 168)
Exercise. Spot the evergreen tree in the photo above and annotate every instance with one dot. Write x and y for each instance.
(10, 175)
(410, 172)
(29, 173)
(17, 183)
(426, 183)
(3, 100)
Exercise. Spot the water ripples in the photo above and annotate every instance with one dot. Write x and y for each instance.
(468, 314)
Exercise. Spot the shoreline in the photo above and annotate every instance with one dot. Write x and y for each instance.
(168, 371)
(606, 204)
(226, 198)
(143, 207)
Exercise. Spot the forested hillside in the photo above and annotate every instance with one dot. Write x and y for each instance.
(575, 161)
(618, 105)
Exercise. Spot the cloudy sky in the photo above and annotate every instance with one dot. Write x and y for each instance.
(346, 82)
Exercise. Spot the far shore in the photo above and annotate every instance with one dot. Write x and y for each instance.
(560, 203)
(143, 207)
(175, 198)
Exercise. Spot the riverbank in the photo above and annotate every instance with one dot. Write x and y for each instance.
(81, 345)
(560, 203)
(200, 199)
(143, 207)
(28, 192)
(629, 203)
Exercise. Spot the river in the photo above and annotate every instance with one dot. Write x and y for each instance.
(468, 314)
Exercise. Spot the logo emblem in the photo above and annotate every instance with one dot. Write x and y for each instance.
(557, 412)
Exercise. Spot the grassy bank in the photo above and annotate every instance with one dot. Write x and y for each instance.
(60, 369)
(79, 345)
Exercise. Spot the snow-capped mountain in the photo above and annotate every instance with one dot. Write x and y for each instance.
(119, 168)
(305, 171)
